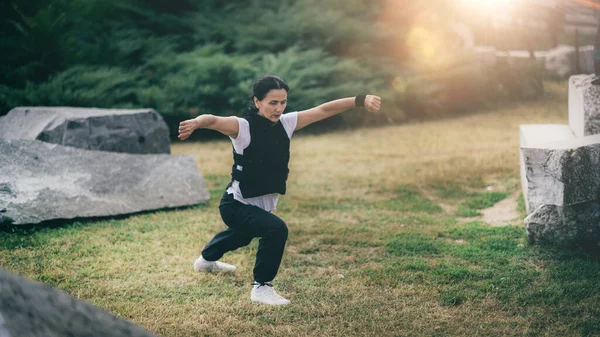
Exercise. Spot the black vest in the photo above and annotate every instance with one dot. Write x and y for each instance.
(265, 161)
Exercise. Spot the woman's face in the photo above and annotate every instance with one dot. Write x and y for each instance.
(272, 106)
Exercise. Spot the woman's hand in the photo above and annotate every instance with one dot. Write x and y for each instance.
(372, 103)
(187, 127)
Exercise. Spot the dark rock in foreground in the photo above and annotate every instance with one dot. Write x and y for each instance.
(29, 309)
(41, 181)
(565, 225)
(129, 131)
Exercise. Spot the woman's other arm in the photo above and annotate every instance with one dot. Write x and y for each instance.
(226, 125)
(326, 110)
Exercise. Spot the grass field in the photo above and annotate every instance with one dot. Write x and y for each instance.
(392, 209)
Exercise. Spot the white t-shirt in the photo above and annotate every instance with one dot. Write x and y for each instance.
(268, 202)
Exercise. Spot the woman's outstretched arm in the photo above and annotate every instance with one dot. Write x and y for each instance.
(325, 110)
(226, 125)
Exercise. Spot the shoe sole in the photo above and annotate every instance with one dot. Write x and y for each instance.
(214, 271)
(211, 270)
(260, 302)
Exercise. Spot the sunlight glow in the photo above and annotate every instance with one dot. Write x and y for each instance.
(424, 45)
(487, 6)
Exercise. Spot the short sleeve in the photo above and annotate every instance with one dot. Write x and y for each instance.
(243, 139)
(289, 121)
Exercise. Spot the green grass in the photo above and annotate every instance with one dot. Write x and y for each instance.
(471, 206)
(409, 199)
(388, 216)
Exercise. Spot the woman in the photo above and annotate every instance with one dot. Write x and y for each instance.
(261, 143)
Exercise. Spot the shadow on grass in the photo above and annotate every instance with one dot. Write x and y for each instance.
(22, 236)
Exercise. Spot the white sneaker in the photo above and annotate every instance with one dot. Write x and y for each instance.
(264, 293)
(212, 266)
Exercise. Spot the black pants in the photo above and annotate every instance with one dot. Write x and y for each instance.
(246, 222)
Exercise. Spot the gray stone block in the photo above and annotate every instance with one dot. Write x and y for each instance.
(584, 106)
(536, 136)
(31, 309)
(41, 181)
(129, 131)
(562, 173)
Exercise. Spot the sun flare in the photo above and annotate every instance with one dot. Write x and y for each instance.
(486, 5)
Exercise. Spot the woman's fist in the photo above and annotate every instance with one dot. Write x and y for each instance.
(372, 103)
(187, 127)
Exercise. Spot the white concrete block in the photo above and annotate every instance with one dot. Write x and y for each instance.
(562, 173)
(535, 136)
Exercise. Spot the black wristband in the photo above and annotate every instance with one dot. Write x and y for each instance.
(360, 100)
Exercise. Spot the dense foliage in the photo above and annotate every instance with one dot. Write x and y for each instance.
(188, 57)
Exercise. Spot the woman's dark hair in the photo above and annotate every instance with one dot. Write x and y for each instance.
(262, 86)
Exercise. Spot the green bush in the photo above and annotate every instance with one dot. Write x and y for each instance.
(202, 81)
(90, 86)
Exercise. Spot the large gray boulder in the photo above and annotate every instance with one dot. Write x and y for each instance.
(130, 131)
(584, 105)
(563, 182)
(31, 309)
(41, 181)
